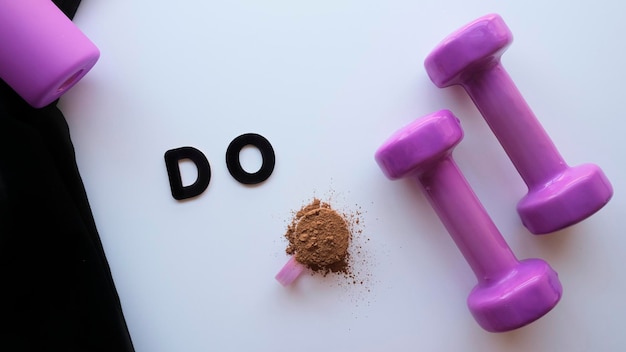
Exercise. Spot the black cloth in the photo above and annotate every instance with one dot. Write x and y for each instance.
(56, 289)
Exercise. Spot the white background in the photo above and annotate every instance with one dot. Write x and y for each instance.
(326, 82)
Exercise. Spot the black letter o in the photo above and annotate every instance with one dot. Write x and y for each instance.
(234, 164)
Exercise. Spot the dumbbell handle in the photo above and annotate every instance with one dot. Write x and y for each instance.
(515, 125)
(467, 221)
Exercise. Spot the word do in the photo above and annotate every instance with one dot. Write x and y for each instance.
(174, 156)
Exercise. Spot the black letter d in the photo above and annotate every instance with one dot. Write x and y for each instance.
(172, 157)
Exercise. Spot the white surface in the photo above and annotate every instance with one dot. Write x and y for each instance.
(326, 82)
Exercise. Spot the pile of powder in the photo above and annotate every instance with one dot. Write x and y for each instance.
(319, 238)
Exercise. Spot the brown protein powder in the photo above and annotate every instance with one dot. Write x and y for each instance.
(319, 238)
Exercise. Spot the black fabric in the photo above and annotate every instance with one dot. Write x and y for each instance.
(68, 7)
(56, 289)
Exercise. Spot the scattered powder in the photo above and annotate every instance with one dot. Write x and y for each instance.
(329, 241)
(319, 238)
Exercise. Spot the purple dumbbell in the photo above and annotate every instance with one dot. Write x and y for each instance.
(509, 293)
(42, 53)
(558, 195)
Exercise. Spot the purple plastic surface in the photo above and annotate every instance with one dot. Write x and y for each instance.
(558, 195)
(509, 293)
(42, 53)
